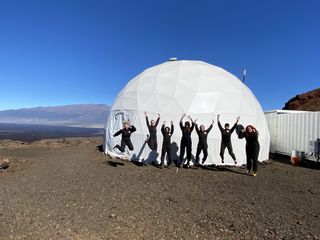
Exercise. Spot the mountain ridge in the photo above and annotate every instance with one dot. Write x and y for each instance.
(308, 101)
(72, 115)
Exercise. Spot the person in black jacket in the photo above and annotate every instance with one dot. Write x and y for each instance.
(252, 148)
(166, 144)
(203, 142)
(186, 143)
(152, 138)
(126, 132)
(226, 139)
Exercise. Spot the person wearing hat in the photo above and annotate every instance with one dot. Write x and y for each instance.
(125, 132)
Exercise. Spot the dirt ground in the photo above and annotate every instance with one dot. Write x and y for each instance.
(66, 189)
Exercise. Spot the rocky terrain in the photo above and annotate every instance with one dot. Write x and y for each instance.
(309, 101)
(67, 189)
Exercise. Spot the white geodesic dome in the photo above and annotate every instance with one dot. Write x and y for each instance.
(196, 88)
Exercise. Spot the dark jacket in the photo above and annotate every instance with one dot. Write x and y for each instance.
(251, 138)
(203, 136)
(126, 133)
(226, 135)
(152, 129)
(167, 136)
(186, 132)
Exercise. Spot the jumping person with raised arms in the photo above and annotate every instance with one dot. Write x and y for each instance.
(152, 127)
(166, 144)
(226, 139)
(203, 141)
(186, 143)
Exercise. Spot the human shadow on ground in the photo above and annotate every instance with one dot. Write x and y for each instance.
(222, 169)
(100, 148)
(150, 160)
(113, 163)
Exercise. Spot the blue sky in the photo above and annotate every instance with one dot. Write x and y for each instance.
(71, 51)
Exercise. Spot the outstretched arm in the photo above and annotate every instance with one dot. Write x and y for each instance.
(117, 133)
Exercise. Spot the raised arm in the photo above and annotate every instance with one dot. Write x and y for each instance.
(133, 129)
(197, 129)
(147, 119)
(219, 124)
(172, 127)
(162, 127)
(158, 120)
(235, 125)
(210, 127)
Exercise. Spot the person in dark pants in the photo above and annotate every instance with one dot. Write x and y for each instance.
(166, 144)
(226, 139)
(152, 138)
(186, 143)
(252, 148)
(203, 142)
(126, 132)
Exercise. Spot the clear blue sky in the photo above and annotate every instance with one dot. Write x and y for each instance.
(57, 52)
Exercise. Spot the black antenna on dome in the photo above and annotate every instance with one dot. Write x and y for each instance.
(244, 75)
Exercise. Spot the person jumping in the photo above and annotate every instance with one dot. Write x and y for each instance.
(186, 143)
(166, 144)
(226, 139)
(152, 138)
(203, 142)
(126, 132)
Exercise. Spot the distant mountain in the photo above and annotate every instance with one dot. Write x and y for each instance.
(78, 115)
(309, 101)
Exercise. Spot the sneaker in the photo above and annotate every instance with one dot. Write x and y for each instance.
(222, 161)
(248, 171)
(254, 174)
(235, 162)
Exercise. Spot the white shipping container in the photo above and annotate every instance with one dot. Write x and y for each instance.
(293, 130)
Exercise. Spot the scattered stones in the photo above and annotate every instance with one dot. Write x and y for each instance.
(5, 164)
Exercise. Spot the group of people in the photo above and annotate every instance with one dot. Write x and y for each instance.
(249, 133)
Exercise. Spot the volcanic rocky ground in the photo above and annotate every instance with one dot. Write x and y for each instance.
(66, 189)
